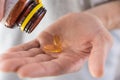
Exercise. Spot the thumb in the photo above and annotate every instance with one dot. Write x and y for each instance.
(2, 5)
(98, 55)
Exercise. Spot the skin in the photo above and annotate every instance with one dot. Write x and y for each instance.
(85, 36)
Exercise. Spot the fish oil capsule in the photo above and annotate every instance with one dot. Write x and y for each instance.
(56, 47)
(52, 49)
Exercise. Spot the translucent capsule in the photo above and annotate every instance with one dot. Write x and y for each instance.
(57, 41)
(52, 49)
(56, 47)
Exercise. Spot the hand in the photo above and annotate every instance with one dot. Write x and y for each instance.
(2, 6)
(83, 38)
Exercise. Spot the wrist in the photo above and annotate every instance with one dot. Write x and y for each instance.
(100, 20)
(108, 14)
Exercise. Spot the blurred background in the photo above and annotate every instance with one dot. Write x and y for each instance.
(56, 9)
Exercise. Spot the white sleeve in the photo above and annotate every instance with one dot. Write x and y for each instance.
(99, 2)
(92, 3)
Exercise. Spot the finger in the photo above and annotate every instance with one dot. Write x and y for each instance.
(2, 7)
(21, 54)
(62, 65)
(25, 47)
(98, 56)
(11, 65)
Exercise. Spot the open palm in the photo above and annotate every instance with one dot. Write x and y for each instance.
(83, 38)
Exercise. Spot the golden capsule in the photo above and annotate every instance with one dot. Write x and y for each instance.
(57, 41)
(52, 49)
(56, 47)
